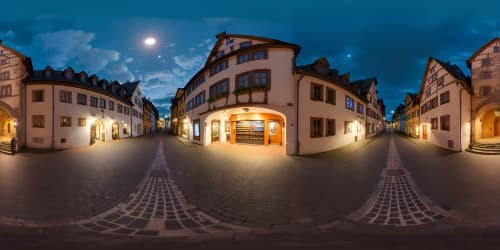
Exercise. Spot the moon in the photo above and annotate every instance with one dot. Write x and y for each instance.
(150, 41)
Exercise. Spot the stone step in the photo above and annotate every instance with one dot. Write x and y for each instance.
(484, 152)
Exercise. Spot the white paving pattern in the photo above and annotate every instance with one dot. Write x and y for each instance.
(157, 209)
(397, 201)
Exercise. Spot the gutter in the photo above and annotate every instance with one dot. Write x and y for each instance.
(460, 121)
(297, 145)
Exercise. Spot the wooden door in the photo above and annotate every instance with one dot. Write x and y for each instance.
(215, 130)
(424, 132)
(274, 132)
(497, 126)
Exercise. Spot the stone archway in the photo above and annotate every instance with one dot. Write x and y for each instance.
(8, 124)
(486, 122)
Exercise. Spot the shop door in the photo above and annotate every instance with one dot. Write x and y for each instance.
(250, 132)
(424, 132)
(274, 132)
(215, 131)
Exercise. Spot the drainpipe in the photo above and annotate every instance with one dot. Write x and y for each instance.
(297, 146)
(460, 103)
(53, 114)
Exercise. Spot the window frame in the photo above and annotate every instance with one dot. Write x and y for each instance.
(441, 97)
(329, 131)
(434, 123)
(38, 95)
(82, 122)
(441, 123)
(196, 122)
(79, 98)
(38, 121)
(316, 132)
(319, 97)
(327, 98)
(347, 103)
(62, 122)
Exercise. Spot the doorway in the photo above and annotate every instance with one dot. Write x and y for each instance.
(115, 130)
(424, 132)
(215, 131)
(274, 132)
(497, 126)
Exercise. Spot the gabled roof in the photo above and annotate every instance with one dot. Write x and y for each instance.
(363, 86)
(480, 50)
(413, 97)
(26, 60)
(268, 41)
(130, 87)
(453, 69)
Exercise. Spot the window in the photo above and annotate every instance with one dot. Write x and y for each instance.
(102, 103)
(229, 41)
(445, 122)
(485, 75)
(119, 108)
(219, 89)
(4, 75)
(190, 104)
(484, 90)
(331, 96)
(259, 55)
(330, 127)
(433, 69)
(316, 92)
(199, 99)
(65, 96)
(260, 79)
(444, 98)
(440, 81)
(242, 81)
(111, 105)
(245, 44)
(427, 92)
(486, 62)
(93, 101)
(219, 54)
(434, 123)
(434, 77)
(316, 127)
(37, 96)
(65, 121)
(196, 129)
(349, 103)
(3, 61)
(125, 129)
(6, 90)
(82, 122)
(243, 58)
(433, 103)
(496, 49)
(347, 127)
(38, 121)
(81, 99)
(360, 108)
(126, 110)
(218, 67)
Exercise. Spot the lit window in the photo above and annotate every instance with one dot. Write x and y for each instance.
(65, 121)
(38, 121)
(349, 103)
(196, 129)
(82, 122)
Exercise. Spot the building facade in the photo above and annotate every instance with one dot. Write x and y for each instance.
(178, 119)
(374, 115)
(51, 109)
(151, 116)
(250, 91)
(412, 109)
(445, 106)
(485, 68)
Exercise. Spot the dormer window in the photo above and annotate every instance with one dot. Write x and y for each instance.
(82, 77)
(94, 81)
(68, 75)
(48, 73)
(229, 41)
(245, 44)
(496, 49)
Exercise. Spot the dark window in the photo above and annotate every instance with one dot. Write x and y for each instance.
(65, 96)
(261, 79)
(316, 127)
(444, 98)
(196, 129)
(243, 58)
(102, 103)
(486, 62)
(6, 90)
(434, 123)
(93, 101)
(485, 75)
(316, 92)
(81, 99)
(119, 108)
(360, 108)
(111, 105)
(219, 89)
(330, 127)
(496, 49)
(331, 96)
(349, 103)
(243, 81)
(37, 96)
(38, 121)
(445, 122)
(82, 122)
(484, 90)
(65, 121)
(246, 44)
(347, 127)
(427, 92)
(126, 110)
(218, 67)
(259, 55)
(199, 99)
(434, 77)
(219, 54)
(5, 75)
(440, 82)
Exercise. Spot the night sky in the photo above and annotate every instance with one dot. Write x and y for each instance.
(390, 40)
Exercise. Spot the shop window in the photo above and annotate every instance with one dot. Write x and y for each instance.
(347, 127)
(444, 98)
(196, 129)
(316, 92)
(65, 121)
(125, 130)
(316, 127)
(330, 127)
(434, 123)
(445, 122)
(331, 96)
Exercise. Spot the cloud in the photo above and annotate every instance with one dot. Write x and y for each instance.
(179, 72)
(129, 60)
(188, 62)
(170, 45)
(119, 71)
(65, 46)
